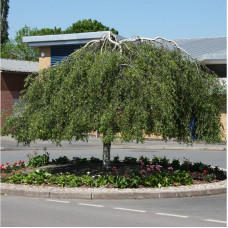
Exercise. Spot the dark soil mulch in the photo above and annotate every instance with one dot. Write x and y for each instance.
(95, 168)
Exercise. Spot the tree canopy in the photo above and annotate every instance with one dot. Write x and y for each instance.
(4, 21)
(88, 26)
(132, 87)
(16, 49)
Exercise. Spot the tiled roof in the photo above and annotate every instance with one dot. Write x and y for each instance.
(204, 48)
(18, 66)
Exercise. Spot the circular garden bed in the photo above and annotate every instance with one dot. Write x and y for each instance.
(129, 173)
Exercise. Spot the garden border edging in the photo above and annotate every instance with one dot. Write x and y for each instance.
(111, 193)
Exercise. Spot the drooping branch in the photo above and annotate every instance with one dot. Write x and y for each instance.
(111, 38)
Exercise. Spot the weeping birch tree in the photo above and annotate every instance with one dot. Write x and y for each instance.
(130, 88)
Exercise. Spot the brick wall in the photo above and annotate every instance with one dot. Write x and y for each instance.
(11, 85)
(45, 62)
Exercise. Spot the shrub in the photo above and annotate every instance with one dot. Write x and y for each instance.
(164, 162)
(95, 160)
(175, 164)
(145, 160)
(61, 160)
(38, 161)
(116, 159)
(186, 165)
(81, 161)
(130, 160)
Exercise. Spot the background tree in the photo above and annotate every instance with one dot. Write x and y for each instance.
(132, 87)
(88, 26)
(4, 22)
(16, 49)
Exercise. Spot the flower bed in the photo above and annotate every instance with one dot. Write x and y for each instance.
(129, 173)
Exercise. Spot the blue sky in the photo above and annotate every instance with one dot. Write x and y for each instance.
(148, 18)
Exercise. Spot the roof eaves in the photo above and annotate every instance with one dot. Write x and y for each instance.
(11, 65)
(65, 39)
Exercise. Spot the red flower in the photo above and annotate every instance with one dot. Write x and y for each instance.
(204, 171)
(15, 163)
(114, 168)
(7, 163)
(23, 162)
(2, 165)
(6, 170)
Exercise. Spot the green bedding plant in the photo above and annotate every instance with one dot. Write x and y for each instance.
(155, 173)
(61, 160)
(41, 177)
(39, 160)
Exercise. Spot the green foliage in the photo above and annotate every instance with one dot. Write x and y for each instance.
(37, 177)
(87, 180)
(145, 160)
(4, 21)
(175, 164)
(88, 26)
(16, 49)
(8, 168)
(182, 177)
(39, 160)
(101, 181)
(81, 161)
(68, 180)
(116, 159)
(142, 89)
(61, 160)
(118, 181)
(209, 178)
(130, 160)
(16, 178)
(153, 176)
(95, 160)
(164, 162)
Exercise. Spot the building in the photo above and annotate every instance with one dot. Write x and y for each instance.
(54, 48)
(13, 74)
(209, 51)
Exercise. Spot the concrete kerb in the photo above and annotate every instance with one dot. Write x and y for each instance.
(112, 193)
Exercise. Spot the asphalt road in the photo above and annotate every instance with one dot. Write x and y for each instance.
(214, 158)
(13, 153)
(207, 211)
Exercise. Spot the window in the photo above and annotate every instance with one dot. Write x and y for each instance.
(18, 106)
(219, 69)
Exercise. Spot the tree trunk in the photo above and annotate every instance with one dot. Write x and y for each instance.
(106, 155)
